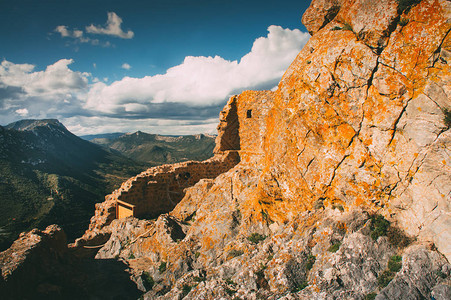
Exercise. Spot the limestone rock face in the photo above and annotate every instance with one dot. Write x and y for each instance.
(358, 118)
(30, 261)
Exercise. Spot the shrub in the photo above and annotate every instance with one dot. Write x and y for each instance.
(256, 238)
(335, 246)
(339, 207)
(148, 280)
(198, 279)
(395, 263)
(185, 290)
(397, 237)
(384, 278)
(162, 267)
(299, 286)
(370, 296)
(318, 204)
(335, 28)
(310, 262)
(447, 118)
(403, 22)
(379, 226)
(406, 5)
(346, 26)
(229, 291)
(235, 253)
(131, 256)
(441, 274)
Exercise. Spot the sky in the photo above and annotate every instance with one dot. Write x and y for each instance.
(159, 66)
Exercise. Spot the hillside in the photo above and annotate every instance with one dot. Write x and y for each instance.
(157, 149)
(48, 175)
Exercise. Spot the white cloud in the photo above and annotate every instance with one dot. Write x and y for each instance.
(57, 90)
(184, 100)
(112, 27)
(55, 80)
(126, 66)
(23, 112)
(80, 125)
(202, 81)
(63, 31)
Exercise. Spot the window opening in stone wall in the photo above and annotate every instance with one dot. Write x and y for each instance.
(249, 113)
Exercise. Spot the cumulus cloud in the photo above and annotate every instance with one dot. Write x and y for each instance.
(186, 99)
(55, 80)
(112, 27)
(23, 112)
(55, 90)
(202, 81)
(126, 66)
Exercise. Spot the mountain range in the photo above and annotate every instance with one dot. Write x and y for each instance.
(49, 175)
(157, 149)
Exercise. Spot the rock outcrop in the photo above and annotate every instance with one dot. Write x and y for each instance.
(344, 182)
(153, 192)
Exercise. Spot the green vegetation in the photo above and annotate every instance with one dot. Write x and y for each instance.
(335, 28)
(347, 26)
(256, 238)
(148, 280)
(310, 262)
(335, 246)
(406, 5)
(299, 287)
(339, 207)
(384, 278)
(403, 22)
(198, 279)
(162, 267)
(235, 253)
(131, 256)
(156, 149)
(50, 176)
(229, 291)
(398, 238)
(395, 263)
(441, 274)
(447, 118)
(379, 226)
(393, 266)
(318, 204)
(185, 290)
(370, 296)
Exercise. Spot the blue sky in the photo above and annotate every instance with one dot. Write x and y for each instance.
(162, 66)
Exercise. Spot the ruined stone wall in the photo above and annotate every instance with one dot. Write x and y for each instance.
(243, 123)
(159, 189)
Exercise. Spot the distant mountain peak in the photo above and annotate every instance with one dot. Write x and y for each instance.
(31, 124)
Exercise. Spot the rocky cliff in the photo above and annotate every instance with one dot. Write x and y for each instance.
(343, 186)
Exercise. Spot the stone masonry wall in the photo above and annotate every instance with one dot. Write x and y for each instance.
(159, 189)
(243, 123)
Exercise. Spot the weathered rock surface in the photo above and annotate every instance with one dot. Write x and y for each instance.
(39, 266)
(344, 182)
